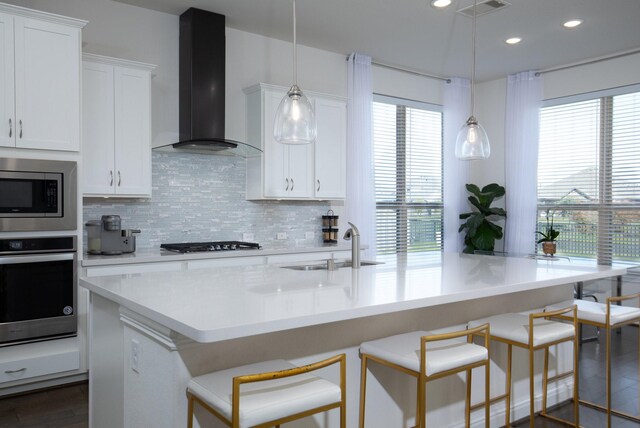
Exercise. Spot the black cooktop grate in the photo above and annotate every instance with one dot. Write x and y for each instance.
(195, 247)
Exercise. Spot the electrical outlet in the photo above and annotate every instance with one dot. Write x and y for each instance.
(281, 235)
(135, 355)
(247, 237)
(309, 235)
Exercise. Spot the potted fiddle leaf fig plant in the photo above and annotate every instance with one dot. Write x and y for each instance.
(481, 231)
(548, 237)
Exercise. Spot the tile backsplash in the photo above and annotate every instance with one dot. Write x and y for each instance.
(202, 198)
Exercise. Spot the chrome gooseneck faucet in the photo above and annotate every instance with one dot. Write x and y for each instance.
(353, 234)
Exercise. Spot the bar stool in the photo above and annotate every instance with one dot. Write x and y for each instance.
(608, 317)
(427, 356)
(279, 393)
(533, 332)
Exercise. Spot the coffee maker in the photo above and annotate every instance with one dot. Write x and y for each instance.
(106, 236)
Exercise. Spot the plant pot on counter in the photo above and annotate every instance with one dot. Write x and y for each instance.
(549, 248)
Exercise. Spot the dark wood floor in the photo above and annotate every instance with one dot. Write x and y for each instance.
(592, 382)
(66, 407)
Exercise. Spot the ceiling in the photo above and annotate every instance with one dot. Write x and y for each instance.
(413, 34)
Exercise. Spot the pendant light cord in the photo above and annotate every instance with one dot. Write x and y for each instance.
(473, 62)
(295, 71)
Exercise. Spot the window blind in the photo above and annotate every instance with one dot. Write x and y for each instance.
(408, 178)
(589, 176)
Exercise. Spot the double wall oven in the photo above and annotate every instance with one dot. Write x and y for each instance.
(38, 274)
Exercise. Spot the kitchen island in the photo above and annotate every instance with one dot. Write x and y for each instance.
(150, 333)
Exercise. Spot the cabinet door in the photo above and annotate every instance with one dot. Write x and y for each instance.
(301, 171)
(47, 76)
(97, 129)
(276, 155)
(330, 149)
(133, 131)
(7, 99)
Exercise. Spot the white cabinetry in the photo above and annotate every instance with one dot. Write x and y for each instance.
(330, 148)
(306, 172)
(39, 80)
(116, 127)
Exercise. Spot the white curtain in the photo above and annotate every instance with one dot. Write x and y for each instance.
(457, 98)
(360, 206)
(522, 129)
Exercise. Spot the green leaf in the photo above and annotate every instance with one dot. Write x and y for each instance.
(472, 188)
(473, 201)
(465, 215)
(498, 211)
(494, 189)
(483, 238)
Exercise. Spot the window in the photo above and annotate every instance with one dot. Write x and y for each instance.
(407, 141)
(589, 174)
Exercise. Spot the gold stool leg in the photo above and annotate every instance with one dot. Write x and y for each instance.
(532, 404)
(363, 387)
(487, 394)
(190, 411)
(421, 411)
(507, 422)
(467, 401)
(545, 380)
(576, 379)
(608, 375)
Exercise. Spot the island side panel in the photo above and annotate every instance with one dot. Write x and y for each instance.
(106, 364)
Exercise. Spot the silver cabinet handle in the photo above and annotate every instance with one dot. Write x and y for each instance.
(10, 128)
(15, 371)
(20, 123)
(286, 188)
(318, 180)
(292, 184)
(119, 179)
(111, 175)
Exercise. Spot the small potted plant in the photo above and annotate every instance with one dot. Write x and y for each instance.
(548, 238)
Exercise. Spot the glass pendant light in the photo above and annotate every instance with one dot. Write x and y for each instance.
(295, 121)
(472, 141)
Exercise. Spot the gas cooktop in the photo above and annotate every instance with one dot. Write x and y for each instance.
(194, 247)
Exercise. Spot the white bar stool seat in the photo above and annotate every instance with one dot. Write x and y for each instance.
(428, 356)
(532, 332)
(515, 327)
(597, 312)
(404, 350)
(266, 398)
(609, 316)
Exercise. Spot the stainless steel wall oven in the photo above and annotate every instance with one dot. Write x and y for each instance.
(38, 289)
(37, 195)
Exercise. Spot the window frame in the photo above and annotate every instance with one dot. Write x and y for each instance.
(603, 205)
(400, 204)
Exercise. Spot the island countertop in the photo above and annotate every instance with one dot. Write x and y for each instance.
(210, 305)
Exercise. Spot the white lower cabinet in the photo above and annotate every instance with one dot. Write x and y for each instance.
(38, 362)
(299, 172)
(116, 127)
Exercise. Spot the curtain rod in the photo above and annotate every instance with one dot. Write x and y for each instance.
(589, 61)
(408, 70)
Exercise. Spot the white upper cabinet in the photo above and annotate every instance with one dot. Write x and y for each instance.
(40, 80)
(116, 127)
(298, 172)
(330, 148)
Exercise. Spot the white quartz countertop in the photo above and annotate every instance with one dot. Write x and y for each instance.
(209, 305)
(154, 255)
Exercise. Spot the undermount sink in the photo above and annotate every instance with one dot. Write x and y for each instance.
(323, 266)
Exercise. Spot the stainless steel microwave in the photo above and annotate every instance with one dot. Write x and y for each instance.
(37, 195)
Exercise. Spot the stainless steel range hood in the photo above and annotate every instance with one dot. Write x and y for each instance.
(202, 88)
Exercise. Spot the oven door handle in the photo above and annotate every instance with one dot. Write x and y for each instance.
(11, 260)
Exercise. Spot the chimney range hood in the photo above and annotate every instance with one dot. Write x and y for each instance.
(202, 88)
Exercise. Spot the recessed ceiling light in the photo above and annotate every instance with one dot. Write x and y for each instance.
(440, 3)
(513, 40)
(573, 23)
